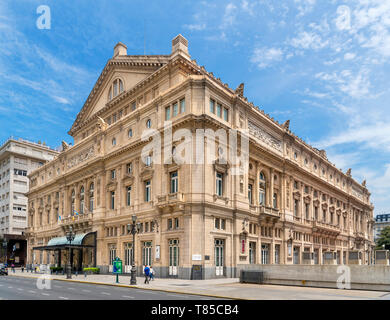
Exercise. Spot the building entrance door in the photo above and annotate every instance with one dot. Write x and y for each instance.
(173, 256)
(315, 256)
(147, 253)
(296, 255)
(219, 245)
(252, 252)
(264, 254)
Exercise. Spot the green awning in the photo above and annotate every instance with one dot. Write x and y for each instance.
(78, 239)
(62, 242)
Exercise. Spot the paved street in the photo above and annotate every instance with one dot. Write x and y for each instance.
(18, 288)
(229, 288)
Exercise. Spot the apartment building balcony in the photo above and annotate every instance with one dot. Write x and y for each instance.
(77, 221)
(268, 214)
(325, 228)
(359, 236)
(170, 200)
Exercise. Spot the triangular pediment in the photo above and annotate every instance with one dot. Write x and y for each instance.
(131, 70)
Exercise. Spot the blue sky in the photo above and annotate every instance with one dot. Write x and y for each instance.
(322, 64)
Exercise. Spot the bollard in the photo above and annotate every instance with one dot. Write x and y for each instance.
(85, 275)
(117, 278)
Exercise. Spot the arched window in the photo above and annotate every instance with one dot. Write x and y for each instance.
(72, 200)
(115, 89)
(82, 197)
(91, 196)
(262, 189)
(275, 200)
(148, 123)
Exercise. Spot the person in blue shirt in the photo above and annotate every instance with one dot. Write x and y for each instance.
(147, 273)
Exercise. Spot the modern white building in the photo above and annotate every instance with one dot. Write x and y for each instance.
(381, 221)
(18, 158)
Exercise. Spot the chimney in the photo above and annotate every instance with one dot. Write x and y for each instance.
(180, 46)
(120, 50)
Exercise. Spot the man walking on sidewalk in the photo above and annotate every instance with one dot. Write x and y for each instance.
(147, 272)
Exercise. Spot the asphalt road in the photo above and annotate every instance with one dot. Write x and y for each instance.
(15, 288)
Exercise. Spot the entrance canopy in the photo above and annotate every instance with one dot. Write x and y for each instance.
(81, 240)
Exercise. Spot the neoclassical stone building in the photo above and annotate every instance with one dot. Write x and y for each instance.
(289, 206)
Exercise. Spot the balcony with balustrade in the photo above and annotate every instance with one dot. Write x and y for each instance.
(325, 228)
(170, 200)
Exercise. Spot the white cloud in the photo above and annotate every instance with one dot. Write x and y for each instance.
(197, 27)
(265, 57)
(349, 56)
(309, 40)
(304, 6)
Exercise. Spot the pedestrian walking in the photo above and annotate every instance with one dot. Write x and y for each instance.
(22, 268)
(13, 268)
(147, 274)
(151, 273)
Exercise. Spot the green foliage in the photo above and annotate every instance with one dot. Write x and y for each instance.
(384, 239)
(54, 269)
(92, 270)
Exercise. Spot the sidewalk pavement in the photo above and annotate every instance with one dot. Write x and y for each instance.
(229, 288)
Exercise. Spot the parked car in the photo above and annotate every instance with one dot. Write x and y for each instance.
(3, 270)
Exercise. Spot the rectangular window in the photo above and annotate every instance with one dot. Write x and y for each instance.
(112, 200)
(169, 224)
(223, 224)
(174, 182)
(219, 184)
(128, 196)
(175, 110)
(176, 223)
(250, 193)
(182, 105)
(296, 206)
(212, 106)
(167, 113)
(225, 114)
(133, 106)
(217, 223)
(113, 174)
(146, 226)
(219, 110)
(147, 191)
(129, 168)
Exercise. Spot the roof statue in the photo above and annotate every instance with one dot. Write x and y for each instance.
(349, 172)
(102, 125)
(65, 146)
(240, 90)
(286, 124)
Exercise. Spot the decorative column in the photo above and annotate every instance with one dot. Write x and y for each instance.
(271, 196)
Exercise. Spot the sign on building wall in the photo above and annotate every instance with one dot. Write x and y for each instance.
(158, 252)
(196, 257)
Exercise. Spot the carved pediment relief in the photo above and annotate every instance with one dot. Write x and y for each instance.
(331, 208)
(345, 214)
(324, 206)
(220, 166)
(128, 179)
(338, 212)
(111, 185)
(307, 199)
(146, 172)
(296, 195)
(316, 203)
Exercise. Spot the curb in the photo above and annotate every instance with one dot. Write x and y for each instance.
(137, 287)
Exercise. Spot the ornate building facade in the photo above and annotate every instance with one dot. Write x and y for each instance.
(289, 206)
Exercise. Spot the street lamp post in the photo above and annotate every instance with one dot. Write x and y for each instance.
(133, 228)
(70, 237)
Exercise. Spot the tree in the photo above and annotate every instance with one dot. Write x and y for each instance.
(384, 239)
